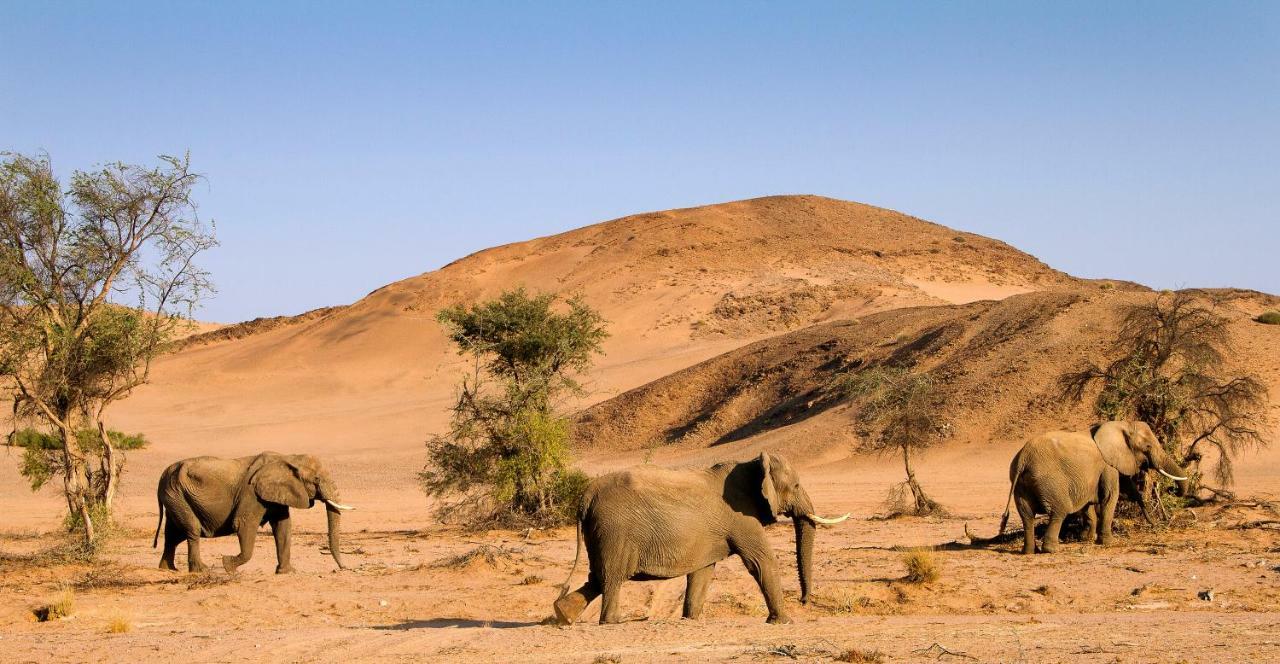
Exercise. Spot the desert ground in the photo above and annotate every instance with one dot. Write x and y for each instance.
(724, 320)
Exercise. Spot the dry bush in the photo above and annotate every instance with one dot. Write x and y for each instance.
(861, 656)
(840, 601)
(119, 624)
(488, 555)
(743, 606)
(1269, 318)
(62, 607)
(921, 566)
(531, 580)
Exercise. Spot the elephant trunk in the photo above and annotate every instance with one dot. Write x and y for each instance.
(335, 523)
(804, 555)
(1166, 466)
(802, 519)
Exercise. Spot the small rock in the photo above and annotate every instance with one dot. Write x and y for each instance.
(383, 602)
(1206, 595)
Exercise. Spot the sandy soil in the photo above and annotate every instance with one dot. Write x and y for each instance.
(426, 592)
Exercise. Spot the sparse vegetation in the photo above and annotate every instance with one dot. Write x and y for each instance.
(1170, 371)
(507, 450)
(921, 566)
(861, 656)
(67, 348)
(119, 624)
(62, 607)
(900, 404)
(531, 580)
(42, 452)
(1269, 318)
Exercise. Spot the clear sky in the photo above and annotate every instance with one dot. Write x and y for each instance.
(351, 144)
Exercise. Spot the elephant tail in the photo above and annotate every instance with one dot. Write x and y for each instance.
(1008, 503)
(577, 546)
(1004, 519)
(159, 522)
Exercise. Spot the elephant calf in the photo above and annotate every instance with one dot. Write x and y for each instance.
(1061, 473)
(652, 523)
(213, 497)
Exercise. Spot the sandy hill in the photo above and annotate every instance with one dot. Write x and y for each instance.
(677, 287)
(995, 362)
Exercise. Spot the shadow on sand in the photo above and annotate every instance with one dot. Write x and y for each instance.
(461, 623)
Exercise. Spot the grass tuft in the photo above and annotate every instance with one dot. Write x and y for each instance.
(861, 656)
(119, 624)
(921, 566)
(63, 607)
(1269, 318)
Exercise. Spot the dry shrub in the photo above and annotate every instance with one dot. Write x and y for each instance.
(921, 566)
(488, 555)
(1269, 318)
(62, 607)
(840, 601)
(531, 580)
(119, 624)
(861, 656)
(743, 606)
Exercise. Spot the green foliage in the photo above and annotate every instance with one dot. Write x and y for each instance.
(899, 414)
(42, 458)
(1269, 318)
(507, 450)
(88, 440)
(68, 255)
(1170, 372)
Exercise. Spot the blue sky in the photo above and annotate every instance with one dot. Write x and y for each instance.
(348, 145)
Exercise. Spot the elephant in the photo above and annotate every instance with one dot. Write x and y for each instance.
(214, 497)
(651, 523)
(1060, 473)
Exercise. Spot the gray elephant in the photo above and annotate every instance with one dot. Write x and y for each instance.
(214, 497)
(1060, 473)
(651, 523)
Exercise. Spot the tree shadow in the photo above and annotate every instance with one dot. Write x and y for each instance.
(459, 623)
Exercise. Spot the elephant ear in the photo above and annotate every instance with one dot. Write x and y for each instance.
(1113, 441)
(766, 486)
(277, 481)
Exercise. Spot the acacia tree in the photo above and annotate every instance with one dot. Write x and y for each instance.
(900, 404)
(95, 279)
(507, 449)
(1169, 371)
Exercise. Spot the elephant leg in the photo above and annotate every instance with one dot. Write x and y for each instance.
(248, 534)
(172, 538)
(280, 531)
(755, 553)
(1028, 515)
(1051, 532)
(1090, 522)
(569, 607)
(695, 591)
(611, 605)
(1110, 495)
(194, 563)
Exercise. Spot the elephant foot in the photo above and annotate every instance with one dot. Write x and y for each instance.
(197, 568)
(284, 569)
(780, 619)
(230, 564)
(168, 566)
(1104, 541)
(569, 607)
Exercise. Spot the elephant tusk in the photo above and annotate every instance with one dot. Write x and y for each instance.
(1172, 477)
(823, 520)
(337, 506)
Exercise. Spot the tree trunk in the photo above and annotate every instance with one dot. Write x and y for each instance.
(112, 468)
(924, 504)
(73, 482)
